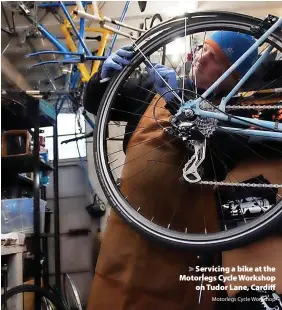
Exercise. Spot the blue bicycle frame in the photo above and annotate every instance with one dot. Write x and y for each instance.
(83, 51)
(276, 128)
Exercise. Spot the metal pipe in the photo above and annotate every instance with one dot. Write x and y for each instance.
(81, 33)
(61, 104)
(74, 28)
(120, 32)
(79, 5)
(95, 8)
(57, 4)
(252, 132)
(56, 203)
(100, 52)
(6, 31)
(87, 16)
(45, 242)
(82, 68)
(106, 19)
(48, 74)
(13, 21)
(240, 120)
(6, 17)
(36, 201)
(97, 29)
(115, 22)
(68, 61)
(88, 120)
(52, 38)
(52, 52)
(115, 35)
(7, 46)
(47, 92)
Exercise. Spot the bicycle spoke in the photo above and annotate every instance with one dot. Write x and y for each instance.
(176, 208)
(278, 195)
(154, 93)
(124, 125)
(132, 113)
(264, 87)
(128, 178)
(228, 174)
(184, 63)
(135, 145)
(144, 154)
(124, 134)
(219, 198)
(257, 142)
(147, 103)
(171, 101)
(193, 56)
(148, 62)
(268, 96)
(149, 169)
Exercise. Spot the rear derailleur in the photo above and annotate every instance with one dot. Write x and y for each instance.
(184, 128)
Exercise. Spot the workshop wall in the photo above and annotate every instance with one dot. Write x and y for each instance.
(76, 250)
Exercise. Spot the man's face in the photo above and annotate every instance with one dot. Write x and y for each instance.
(207, 68)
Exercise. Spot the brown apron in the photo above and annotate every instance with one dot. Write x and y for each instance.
(134, 273)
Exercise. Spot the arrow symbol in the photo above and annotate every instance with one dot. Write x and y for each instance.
(191, 269)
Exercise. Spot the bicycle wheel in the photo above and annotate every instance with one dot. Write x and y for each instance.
(71, 293)
(49, 301)
(231, 229)
(157, 17)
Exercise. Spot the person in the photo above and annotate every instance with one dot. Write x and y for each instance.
(138, 273)
(210, 62)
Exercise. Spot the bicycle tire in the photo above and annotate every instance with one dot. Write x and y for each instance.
(223, 240)
(29, 288)
(160, 19)
(74, 292)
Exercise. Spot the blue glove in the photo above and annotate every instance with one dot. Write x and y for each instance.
(160, 73)
(117, 61)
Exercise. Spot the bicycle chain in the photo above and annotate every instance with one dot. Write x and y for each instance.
(240, 184)
(247, 107)
(255, 107)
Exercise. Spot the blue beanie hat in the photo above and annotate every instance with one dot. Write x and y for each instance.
(231, 46)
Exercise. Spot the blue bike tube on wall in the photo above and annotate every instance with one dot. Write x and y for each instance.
(115, 35)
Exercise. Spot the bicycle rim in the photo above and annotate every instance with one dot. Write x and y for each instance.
(222, 240)
(49, 300)
(71, 293)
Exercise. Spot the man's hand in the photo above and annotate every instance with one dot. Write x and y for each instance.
(160, 73)
(117, 61)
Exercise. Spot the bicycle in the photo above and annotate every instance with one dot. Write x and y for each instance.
(198, 107)
(148, 43)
